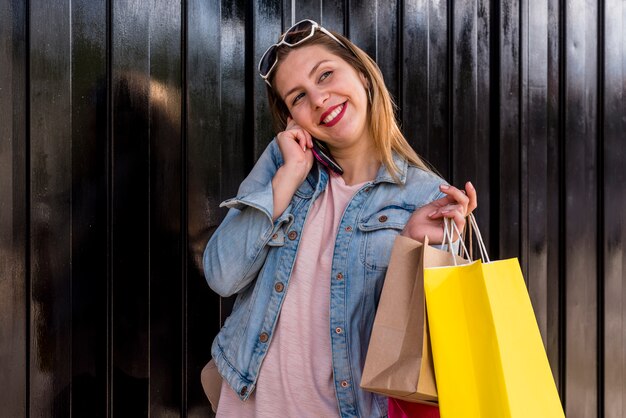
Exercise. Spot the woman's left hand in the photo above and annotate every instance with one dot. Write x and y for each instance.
(428, 220)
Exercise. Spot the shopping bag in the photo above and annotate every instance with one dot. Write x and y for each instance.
(211, 383)
(488, 354)
(399, 360)
(404, 409)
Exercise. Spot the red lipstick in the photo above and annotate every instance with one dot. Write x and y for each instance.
(337, 118)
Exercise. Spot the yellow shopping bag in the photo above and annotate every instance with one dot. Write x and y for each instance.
(489, 358)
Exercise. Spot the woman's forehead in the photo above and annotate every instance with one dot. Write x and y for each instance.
(298, 63)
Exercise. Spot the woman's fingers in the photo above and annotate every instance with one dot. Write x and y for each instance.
(302, 137)
(299, 135)
(457, 195)
(458, 216)
(462, 201)
(294, 131)
(472, 196)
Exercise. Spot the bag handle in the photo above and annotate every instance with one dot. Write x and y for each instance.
(448, 239)
(479, 239)
(472, 227)
(468, 234)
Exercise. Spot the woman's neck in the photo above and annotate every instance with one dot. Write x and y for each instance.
(359, 164)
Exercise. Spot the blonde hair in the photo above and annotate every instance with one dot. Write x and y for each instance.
(388, 137)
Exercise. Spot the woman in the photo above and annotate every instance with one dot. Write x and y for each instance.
(305, 248)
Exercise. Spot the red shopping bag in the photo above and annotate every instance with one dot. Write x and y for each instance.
(404, 409)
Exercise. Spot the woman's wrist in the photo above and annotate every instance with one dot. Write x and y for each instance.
(284, 185)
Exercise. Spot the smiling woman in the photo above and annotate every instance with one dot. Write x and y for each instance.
(305, 248)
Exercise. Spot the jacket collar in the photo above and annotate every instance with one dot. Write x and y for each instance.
(318, 175)
(385, 176)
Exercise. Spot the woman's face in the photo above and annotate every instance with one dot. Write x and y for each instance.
(325, 95)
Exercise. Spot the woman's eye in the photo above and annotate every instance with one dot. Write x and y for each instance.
(325, 75)
(297, 98)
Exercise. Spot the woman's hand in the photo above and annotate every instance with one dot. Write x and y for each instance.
(295, 145)
(428, 220)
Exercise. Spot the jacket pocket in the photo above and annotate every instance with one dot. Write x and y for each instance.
(380, 231)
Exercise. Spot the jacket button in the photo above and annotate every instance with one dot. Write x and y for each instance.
(339, 276)
(338, 330)
(264, 337)
(344, 384)
(279, 287)
(383, 218)
(243, 390)
(349, 228)
(293, 235)
(274, 236)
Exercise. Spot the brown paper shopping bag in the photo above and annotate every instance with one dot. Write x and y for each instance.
(211, 383)
(399, 359)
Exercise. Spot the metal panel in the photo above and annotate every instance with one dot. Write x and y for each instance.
(303, 9)
(534, 133)
(383, 16)
(130, 208)
(556, 313)
(539, 171)
(510, 159)
(203, 190)
(238, 137)
(124, 124)
(167, 237)
(334, 15)
(14, 201)
(50, 210)
(613, 200)
(89, 208)
(267, 29)
(424, 95)
(470, 100)
(580, 207)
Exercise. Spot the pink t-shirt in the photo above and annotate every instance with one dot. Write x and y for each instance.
(296, 377)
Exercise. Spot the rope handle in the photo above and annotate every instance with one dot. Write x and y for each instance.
(471, 229)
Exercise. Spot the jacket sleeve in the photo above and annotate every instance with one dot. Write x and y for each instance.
(238, 248)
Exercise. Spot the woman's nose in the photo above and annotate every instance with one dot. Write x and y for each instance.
(319, 98)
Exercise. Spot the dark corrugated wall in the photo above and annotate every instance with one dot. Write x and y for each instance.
(123, 124)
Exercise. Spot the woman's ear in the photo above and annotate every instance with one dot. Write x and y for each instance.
(366, 85)
(365, 81)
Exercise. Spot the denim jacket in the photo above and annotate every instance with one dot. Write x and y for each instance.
(252, 256)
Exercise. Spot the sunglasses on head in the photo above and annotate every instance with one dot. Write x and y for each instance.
(295, 35)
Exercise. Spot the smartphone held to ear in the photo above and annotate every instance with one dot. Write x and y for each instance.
(322, 154)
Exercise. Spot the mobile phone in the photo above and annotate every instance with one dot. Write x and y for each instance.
(322, 154)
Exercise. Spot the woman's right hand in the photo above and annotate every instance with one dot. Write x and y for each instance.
(295, 145)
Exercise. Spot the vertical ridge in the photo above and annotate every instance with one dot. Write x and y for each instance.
(27, 203)
(109, 209)
(600, 212)
(184, 208)
(561, 218)
(451, 95)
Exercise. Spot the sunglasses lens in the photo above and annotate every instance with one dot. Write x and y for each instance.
(298, 32)
(268, 59)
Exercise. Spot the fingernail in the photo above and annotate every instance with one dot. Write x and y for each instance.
(432, 213)
(444, 187)
(469, 183)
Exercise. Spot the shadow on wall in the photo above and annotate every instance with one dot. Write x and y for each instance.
(70, 337)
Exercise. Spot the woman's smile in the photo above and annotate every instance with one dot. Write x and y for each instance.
(333, 115)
